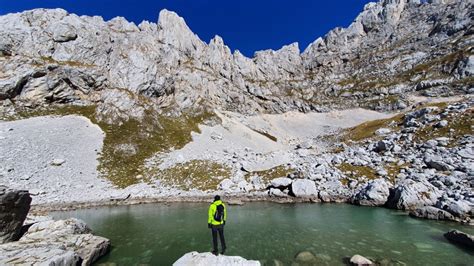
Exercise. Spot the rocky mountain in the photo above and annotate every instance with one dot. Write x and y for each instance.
(394, 48)
(169, 115)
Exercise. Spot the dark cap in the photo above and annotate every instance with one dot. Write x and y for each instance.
(217, 197)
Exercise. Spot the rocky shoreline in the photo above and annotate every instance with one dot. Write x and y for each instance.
(42, 240)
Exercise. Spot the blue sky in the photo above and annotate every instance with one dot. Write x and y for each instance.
(246, 25)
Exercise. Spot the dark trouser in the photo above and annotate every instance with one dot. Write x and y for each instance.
(220, 229)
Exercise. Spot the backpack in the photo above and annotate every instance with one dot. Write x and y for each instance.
(219, 214)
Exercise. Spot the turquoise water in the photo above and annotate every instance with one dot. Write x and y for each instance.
(158, 234)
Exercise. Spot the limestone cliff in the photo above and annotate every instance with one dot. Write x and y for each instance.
(392, 49)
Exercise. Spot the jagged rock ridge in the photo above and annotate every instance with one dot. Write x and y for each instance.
(392, 47)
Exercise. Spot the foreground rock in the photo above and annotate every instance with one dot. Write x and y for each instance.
(461, 238)
(359, 260)
(203, 259)
(375, 193)
(14, 207)
(63, 242)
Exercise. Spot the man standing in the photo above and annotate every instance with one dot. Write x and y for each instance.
(216, 222)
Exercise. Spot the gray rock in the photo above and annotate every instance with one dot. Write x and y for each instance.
(461, 238)
(441, 124)
(437, 163)
(304, 188)
(281, 182)
(382, 146)
(64, 241)
(382, 131)
(305, 257)
(467, 153)
(410, 194)
(433, 213)
(359, 260)
(226, 184)
(14, 207)
(374, 193)
(459, 208)
(37, 255)
(204, 259)
(57, 162)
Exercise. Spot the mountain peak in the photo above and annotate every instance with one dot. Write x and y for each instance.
(173, 30)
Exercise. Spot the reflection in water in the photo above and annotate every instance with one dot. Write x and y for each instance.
(158, 234)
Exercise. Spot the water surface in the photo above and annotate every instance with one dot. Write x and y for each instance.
(158, 234)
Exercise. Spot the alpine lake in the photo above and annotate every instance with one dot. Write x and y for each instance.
(159, 234)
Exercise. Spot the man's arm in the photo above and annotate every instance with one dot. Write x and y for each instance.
(210, 215)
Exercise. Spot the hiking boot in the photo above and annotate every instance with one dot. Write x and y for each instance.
(223, 251)
(215, 252)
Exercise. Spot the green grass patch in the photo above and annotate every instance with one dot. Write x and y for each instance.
(198, 174)
(393, 169)
(459, 125)
(367, 130)
(50, 60)
(356, 171)
(272, 173)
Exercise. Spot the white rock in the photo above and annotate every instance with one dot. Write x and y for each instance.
(304, 188)
(281, 182)
(359, 260)
(226, 184)
(57, 162)
(382, 131)
(204, 259)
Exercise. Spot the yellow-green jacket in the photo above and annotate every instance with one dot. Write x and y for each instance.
(212, 211)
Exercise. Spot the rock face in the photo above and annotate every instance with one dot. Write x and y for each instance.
(14, 207)
(375, 193)
(63, 242)
(203, 259)
(53, 56)
(460, 238)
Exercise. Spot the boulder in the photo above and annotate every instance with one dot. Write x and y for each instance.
(374, 193)
(382, 146)
(437, 163)
(459, 208)
(304, 188)
(410, 194)
(360, 260)
(226, 184)
(382, 131)
(203, 259)
(281, 182)
(461, 238)
(14, 207)
(305, 257)
(432, 213)
(62, 242)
